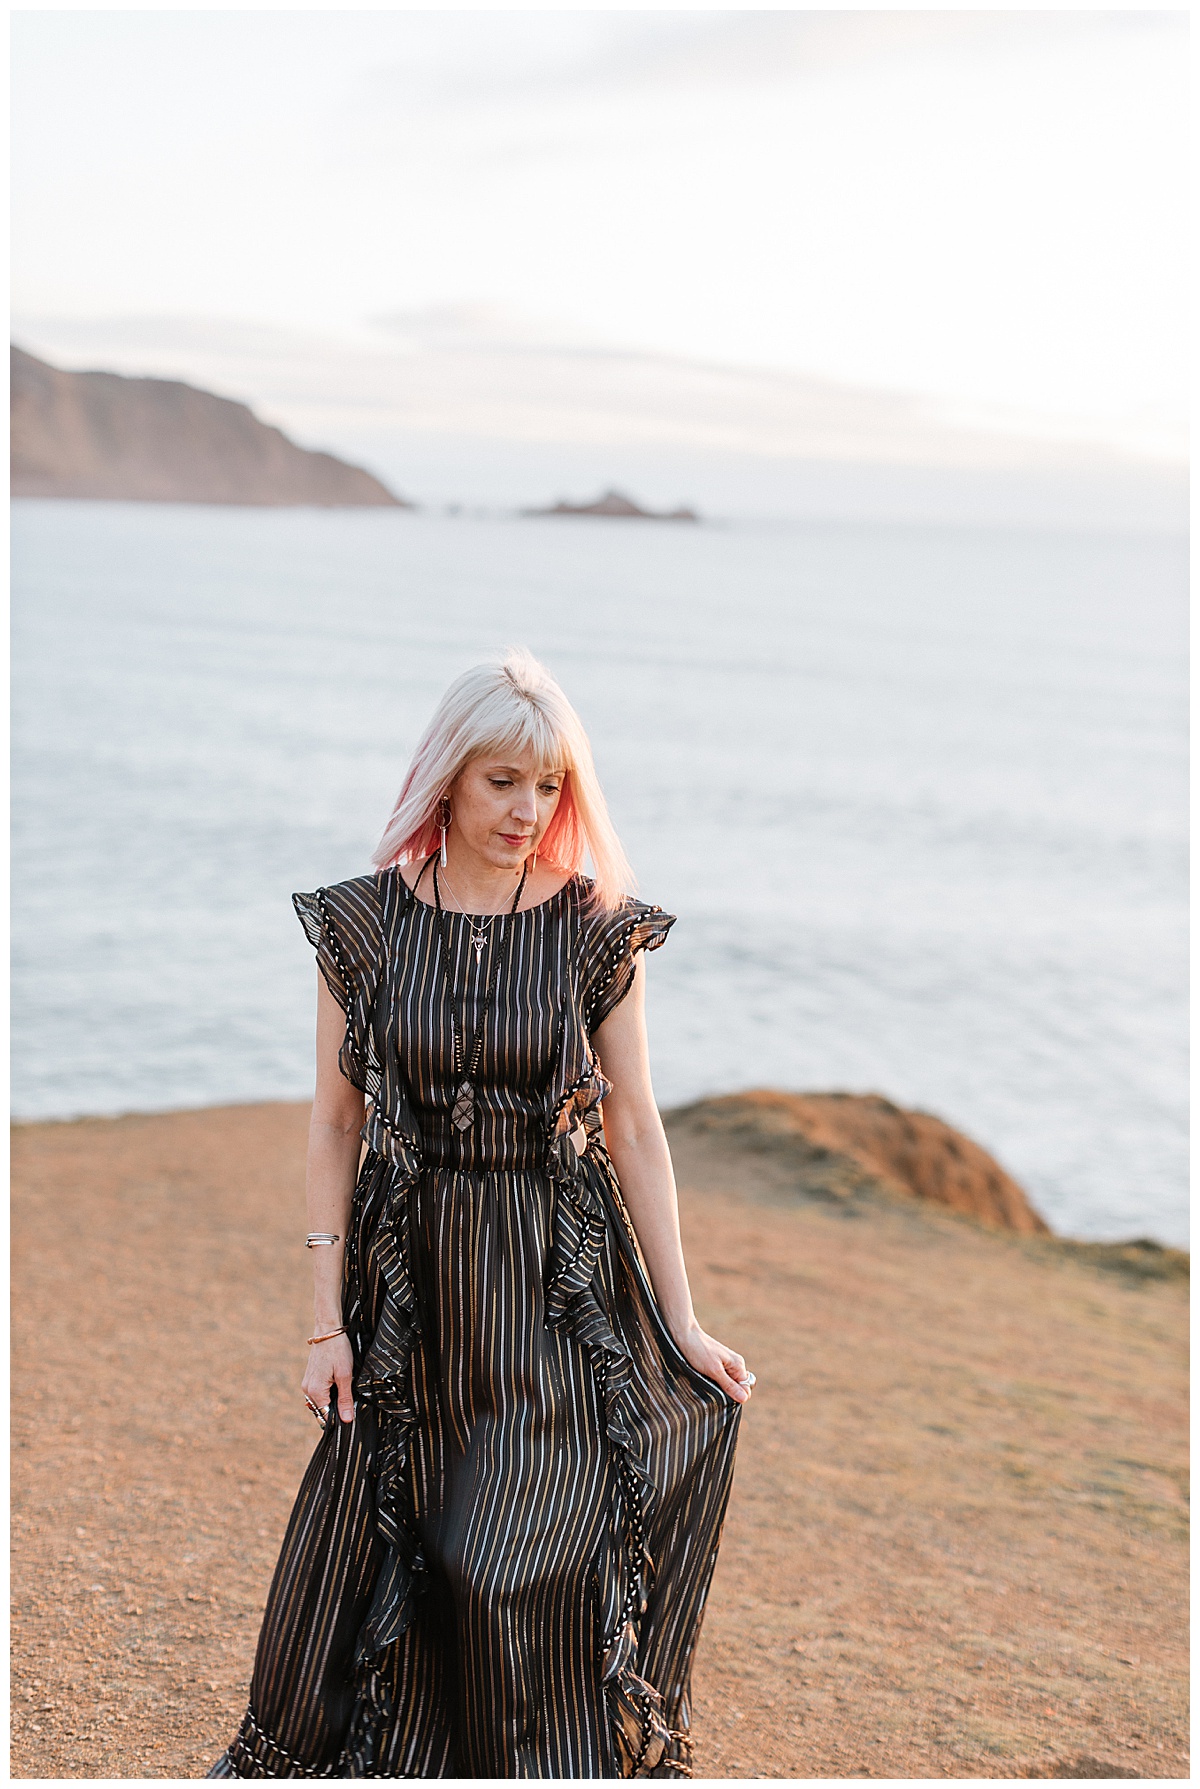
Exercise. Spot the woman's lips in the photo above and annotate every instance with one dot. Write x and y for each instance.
(515, 838)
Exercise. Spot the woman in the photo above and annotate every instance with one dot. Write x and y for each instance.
(498, 1560)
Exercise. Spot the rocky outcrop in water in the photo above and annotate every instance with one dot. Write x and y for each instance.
(160, 441)
(615, 503)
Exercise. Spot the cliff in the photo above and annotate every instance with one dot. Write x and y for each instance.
(956, 1546)
(843, 1143)
(160, 441)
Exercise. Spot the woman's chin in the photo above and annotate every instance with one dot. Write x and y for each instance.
(511, 862)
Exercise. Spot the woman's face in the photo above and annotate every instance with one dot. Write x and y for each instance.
(502, 806)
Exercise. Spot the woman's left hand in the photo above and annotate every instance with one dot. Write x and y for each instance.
(717, 1362)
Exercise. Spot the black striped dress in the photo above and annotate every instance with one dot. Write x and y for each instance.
(499, 1568)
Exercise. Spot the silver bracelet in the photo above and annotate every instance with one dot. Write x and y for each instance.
(319, 1239)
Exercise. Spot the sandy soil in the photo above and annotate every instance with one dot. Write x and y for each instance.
(956, 1546)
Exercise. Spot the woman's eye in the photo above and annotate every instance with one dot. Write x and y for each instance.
(500, 782)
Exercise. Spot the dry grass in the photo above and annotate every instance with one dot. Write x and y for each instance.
(957, 1540)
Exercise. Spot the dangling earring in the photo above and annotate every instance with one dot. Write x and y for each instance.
(535, 857)
(445, 820)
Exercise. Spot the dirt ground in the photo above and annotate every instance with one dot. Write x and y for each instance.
(957, 1540)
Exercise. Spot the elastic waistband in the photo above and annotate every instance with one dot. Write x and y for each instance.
(441, 1165)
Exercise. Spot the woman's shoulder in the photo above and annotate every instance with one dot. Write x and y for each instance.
(360, 896)
(608, 934)
(346, 919)
(630, 911)
(612, 937)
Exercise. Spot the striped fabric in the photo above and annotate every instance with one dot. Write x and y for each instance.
(499, 1568)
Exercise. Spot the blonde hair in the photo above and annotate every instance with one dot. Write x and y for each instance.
(510, 706)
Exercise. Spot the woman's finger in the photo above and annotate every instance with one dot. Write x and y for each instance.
(733, 1386)
(345, 1397)
(735, 1366)
(317, 1381)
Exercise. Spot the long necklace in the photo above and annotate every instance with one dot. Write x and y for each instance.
(479, 934)
(462, 1115)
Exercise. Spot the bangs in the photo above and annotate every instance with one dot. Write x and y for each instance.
(532, 733)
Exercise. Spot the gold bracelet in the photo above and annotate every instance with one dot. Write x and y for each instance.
(333, 1332)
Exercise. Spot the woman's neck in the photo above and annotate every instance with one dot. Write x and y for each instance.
(475, 885)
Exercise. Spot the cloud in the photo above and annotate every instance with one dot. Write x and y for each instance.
(488, 372)
(766, 48)
(933, 215)
(614, 55)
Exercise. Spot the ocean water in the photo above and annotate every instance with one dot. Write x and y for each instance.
(917, 796)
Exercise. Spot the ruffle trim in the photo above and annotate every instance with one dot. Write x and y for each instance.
(255, 1754)
(639, 927)
(384, 1380)
(642, 1741)
(355, 994)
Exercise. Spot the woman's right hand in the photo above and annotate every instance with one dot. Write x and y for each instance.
(724, 1366)
(331, 1365)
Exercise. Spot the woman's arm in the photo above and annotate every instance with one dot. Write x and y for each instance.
(333, 1152)
(636, 1142)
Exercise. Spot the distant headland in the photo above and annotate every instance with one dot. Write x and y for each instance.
(160, 441)
(615, 503)
(138, 440)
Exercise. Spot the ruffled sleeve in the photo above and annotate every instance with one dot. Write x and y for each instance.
(613, 945)
(344, 926)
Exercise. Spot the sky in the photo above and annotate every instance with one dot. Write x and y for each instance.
(979, 214)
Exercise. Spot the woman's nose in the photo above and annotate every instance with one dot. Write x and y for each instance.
(525, 807)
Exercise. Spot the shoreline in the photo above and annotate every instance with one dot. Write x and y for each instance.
(957, 1539)
(1143, 1255)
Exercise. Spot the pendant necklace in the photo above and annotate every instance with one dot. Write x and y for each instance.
(479, 934)
(462, 1115)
